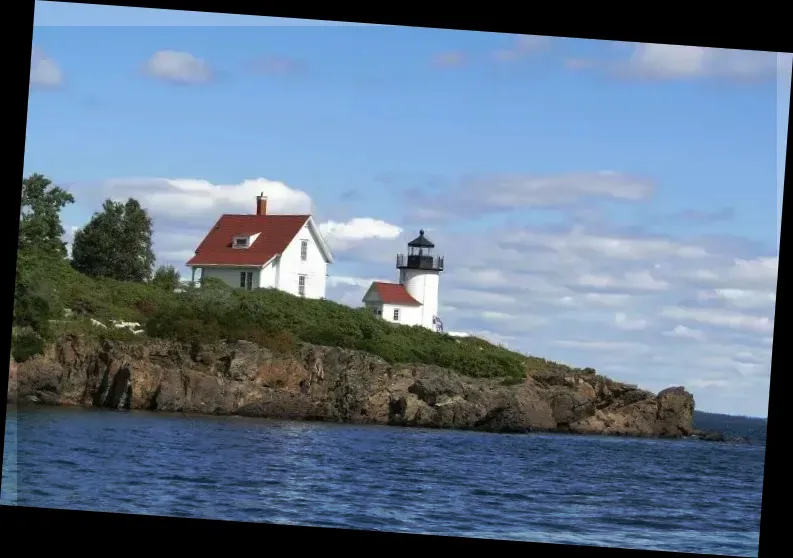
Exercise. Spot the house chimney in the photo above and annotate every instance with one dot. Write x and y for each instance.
(261, 204)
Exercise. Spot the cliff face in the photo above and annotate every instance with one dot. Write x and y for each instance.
(332, 384)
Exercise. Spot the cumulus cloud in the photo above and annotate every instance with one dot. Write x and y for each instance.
(178, 67)
(341, 236)
(721, 318)
(521, 47)
(622, 321)
(44, 71)
(663, 62)
(578, 240)
(629, 281)
(185, 199)
(740, 298)
(480, 194)
(685, 333)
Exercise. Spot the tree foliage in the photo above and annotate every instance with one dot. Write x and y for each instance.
(166, 277)
(116, 243)
(41, 253)
(40, 228)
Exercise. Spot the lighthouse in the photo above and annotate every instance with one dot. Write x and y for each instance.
(414, 299)
(419, 273)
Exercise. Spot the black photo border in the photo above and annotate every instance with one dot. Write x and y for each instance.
(103, 532)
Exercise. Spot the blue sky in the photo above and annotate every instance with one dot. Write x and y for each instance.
(605, 204)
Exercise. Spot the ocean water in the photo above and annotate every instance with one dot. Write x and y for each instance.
(687, 495)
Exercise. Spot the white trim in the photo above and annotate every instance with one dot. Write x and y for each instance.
(318, 238)
(256, 266)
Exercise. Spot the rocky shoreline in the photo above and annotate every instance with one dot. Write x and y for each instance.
(339, 385)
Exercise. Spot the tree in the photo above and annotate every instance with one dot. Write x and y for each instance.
(166, 277)
(40, 226)
(40, 257)
(116, 243)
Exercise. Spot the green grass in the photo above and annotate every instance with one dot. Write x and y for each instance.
(274, 319)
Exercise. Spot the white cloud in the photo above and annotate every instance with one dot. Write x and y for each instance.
(678, 61)
(341, 236)
(622, 321)
(527, 191)
(44, 71)
(578, 241)
(68, 238)
(183, 199)
(339, 280)
(755, 274)
(759, 270)
(703, 383)
(607, 346)
(477, 195)
(629, 281)
(685, 332)
(740, 298)
(178, 67)
(522, 46)
(476, 298)
(721, 318)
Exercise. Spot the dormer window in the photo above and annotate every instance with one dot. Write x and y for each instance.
(244, 241)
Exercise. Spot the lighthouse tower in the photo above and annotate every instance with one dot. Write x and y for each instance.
(419, 273)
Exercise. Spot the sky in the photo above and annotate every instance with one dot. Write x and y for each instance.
(598, 203)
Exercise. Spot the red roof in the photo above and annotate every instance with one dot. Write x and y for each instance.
(275, 234)
(394, 293)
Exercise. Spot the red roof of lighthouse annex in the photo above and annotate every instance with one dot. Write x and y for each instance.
(275, 234)
(394, 293)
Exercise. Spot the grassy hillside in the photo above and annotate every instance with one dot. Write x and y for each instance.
(271, 318)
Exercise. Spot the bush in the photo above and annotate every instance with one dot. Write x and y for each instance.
(26, 344)
(279, 322)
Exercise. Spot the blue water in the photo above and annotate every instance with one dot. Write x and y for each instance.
(685, 496)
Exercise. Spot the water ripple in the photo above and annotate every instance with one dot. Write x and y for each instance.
(650, 494)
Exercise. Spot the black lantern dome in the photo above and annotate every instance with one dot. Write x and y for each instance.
(420, 255)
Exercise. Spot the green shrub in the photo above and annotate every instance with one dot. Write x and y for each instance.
(277, 321)
(26, 344)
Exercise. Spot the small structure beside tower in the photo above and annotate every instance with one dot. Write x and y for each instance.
(414, 299)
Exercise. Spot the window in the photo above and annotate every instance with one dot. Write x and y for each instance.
(304, 250)
(301, 285)
(246, 280)
(396, 314)
(241, 242)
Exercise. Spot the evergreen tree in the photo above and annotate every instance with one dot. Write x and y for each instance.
(40, 227)
(116, 243)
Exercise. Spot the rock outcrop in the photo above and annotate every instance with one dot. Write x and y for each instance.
(332, 384)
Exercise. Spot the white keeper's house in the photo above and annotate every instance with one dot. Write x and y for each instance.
(285, 252)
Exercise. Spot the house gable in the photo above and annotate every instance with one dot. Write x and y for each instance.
(319, 240)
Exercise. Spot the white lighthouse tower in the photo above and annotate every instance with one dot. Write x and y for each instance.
(419, 273)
